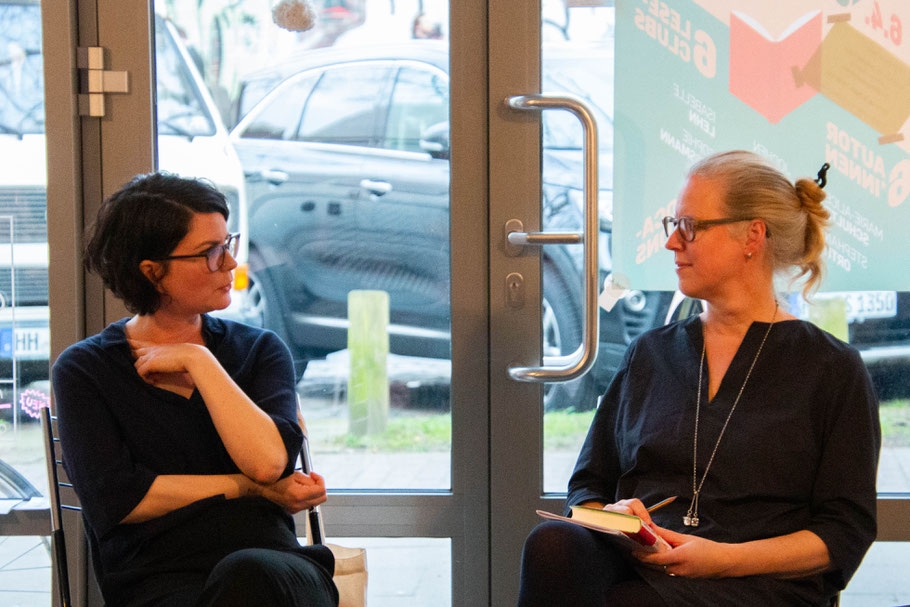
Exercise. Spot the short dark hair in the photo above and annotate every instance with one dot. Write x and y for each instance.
(145, 219)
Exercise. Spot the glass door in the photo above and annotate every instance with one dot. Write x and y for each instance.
(551, 133)
(360, 244)
(537, 303)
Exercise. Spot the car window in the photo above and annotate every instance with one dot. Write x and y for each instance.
(280, 117)
(179, 105)
(420, 100)
(21, 70)
(252, 92)
(346, 106)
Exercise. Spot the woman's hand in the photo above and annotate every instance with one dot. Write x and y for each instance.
(691, 556)
(794, 555)
(296, 492)
(153, 360)
(631, 506)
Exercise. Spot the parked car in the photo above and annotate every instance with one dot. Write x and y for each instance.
(192, 141)
(346, 156)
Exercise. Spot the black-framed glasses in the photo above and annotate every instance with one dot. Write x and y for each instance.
(689, 226)
(214, 257)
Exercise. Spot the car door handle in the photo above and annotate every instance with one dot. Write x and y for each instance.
(576, 364)
(376, 187)
(273, 176)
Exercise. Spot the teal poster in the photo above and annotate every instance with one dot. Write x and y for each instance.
(802, 83)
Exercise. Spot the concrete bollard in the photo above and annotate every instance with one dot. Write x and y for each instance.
(830, 314)
(368, 346)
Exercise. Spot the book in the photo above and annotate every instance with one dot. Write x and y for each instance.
(762, 69)
(627, 530)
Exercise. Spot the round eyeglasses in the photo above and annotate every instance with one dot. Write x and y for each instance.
(688, 226)
(214, 257)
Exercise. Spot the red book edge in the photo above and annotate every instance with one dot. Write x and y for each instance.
(644, 536)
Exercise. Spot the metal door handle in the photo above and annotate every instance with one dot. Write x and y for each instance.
(576, 364)
(373, 186)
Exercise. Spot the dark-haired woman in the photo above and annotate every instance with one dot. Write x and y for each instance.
(764, 427)
(179, 429)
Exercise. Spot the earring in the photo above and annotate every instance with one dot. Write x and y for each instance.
(748, 255)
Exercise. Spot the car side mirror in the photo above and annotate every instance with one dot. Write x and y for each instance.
(435, 140)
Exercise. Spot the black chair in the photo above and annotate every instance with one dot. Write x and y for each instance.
(314, 529)
(54, 466)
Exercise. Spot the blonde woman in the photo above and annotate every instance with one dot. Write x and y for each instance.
(764, 426)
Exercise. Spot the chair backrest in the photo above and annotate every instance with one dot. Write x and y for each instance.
(315, 532)
(54, 469)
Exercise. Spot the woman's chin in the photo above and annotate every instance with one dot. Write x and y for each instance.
(221, 303)
(687, 288)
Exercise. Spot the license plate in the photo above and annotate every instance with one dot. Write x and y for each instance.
(860, 305)
(29, 343)
(871, 304)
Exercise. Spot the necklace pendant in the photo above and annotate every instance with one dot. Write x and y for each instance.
(690, 521)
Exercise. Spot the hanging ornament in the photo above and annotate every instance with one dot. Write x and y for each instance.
(294, 15)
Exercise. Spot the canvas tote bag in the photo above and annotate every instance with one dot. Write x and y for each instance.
(350, 563)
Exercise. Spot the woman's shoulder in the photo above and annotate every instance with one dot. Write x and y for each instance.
(666, 342)
(222, 332)
(104, 342)
(806, 338)
(97, 358)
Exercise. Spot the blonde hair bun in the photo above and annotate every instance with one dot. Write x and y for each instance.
(793, 214)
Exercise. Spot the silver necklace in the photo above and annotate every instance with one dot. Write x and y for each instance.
(691, 518)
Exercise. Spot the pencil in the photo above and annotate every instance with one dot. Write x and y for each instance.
(661, 504)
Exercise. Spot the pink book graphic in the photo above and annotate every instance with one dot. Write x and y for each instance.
(762, 70)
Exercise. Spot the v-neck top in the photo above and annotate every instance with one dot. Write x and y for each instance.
(119, 432)
(800, 451)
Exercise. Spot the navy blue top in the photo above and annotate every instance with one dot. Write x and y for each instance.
(119, 432)
(800, 452)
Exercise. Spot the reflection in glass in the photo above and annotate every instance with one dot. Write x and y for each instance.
(281, 116)
(178, 102)
(343, 155)
(24, 331)
(420, 101)
(337, 112)
(21, 70)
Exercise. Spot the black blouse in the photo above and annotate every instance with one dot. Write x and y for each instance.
(800, 452)
(119, 432)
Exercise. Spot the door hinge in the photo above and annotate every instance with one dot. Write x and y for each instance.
(95, 81)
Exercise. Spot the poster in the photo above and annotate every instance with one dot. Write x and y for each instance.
(800, 82)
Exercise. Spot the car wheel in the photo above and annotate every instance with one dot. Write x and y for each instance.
(263, 307)
(562, 331)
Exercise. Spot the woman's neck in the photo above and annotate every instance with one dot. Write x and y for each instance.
(735, 317)
(164, 327)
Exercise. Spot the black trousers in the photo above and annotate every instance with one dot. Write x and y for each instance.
(252, 577)
(564, 564)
